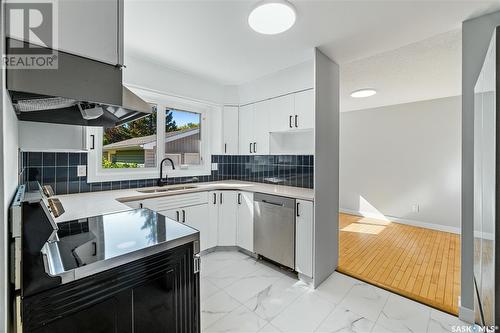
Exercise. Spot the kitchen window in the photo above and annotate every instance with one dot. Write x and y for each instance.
(176, 128)
(131, 145)
(183, 137)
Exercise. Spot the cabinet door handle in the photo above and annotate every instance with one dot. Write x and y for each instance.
(94, 247)
(220, 198)
(215, 198)
(225, 148)
(255, 147)
(298, 214)
(239, 198)
(183, 216)
(92, 144)
(177, 216)
(296, 121)
(290, 122)
(250, 147)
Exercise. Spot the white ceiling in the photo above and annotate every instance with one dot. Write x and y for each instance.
(423, 70)
(212, 38)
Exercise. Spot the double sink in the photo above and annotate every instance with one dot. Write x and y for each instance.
(167, 189)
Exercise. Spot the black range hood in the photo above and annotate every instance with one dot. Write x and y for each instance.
(80, 91)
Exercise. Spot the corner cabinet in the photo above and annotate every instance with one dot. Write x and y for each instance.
(231, 219)
(224, 213)
(304, 237)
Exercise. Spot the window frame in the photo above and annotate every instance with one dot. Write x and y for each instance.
(94, 135)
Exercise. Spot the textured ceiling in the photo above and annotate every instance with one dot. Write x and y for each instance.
(424, 70)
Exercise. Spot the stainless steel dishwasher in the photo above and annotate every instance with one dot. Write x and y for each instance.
(274, 228)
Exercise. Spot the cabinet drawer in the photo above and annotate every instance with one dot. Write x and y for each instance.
(176, 201)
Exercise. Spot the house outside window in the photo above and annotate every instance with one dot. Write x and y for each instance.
(134, 150)
(124, 146)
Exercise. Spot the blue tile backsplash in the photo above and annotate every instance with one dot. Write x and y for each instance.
(60, 171)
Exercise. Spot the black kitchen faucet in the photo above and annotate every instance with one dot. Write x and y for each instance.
(164, 181)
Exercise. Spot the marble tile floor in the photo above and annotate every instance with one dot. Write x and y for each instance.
(241, 294)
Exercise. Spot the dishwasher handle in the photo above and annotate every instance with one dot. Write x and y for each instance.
(274, 200)
(280, 204)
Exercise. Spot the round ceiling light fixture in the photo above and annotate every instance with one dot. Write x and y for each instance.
(271, 17)
(361, 93)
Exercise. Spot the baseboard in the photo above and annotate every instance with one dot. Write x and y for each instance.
(414, 223)
(466, 314)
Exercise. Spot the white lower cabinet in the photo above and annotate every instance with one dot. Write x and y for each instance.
(228, 215)
(213, 219)
(304, 233)
(231, 219)
(173, 214)
(244, 230)
(195, 217)
(225, 218)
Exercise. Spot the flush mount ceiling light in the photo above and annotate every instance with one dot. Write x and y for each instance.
(271, 17)
(363, 93)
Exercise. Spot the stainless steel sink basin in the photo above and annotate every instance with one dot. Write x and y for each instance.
(167, 189)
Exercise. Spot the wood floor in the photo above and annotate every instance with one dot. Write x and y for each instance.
(417, 263)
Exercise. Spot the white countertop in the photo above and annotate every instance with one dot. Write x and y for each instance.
(82, 205)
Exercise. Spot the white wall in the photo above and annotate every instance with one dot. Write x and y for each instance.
(476, 35)
(394, 157)
(149, 75)
(296, 78)
(8, 181)
(326, 167)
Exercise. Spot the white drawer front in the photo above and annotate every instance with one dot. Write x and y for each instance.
(176, 201)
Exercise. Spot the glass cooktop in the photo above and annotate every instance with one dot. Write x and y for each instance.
(99, 238)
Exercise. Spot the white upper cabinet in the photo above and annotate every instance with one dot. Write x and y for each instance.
(244, 236)
(258, 122)
(254, 129)
(303, 117)
(261, 129)
(281, 116)
(91, 28)
(230, 130)
(291, 112)
(304, 229)
(245, 126)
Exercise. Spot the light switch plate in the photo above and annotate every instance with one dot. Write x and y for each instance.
(81, 171)
(215, 166)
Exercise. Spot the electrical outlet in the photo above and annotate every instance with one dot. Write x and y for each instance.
(81, 171)
(415, 208)
(215, 166)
